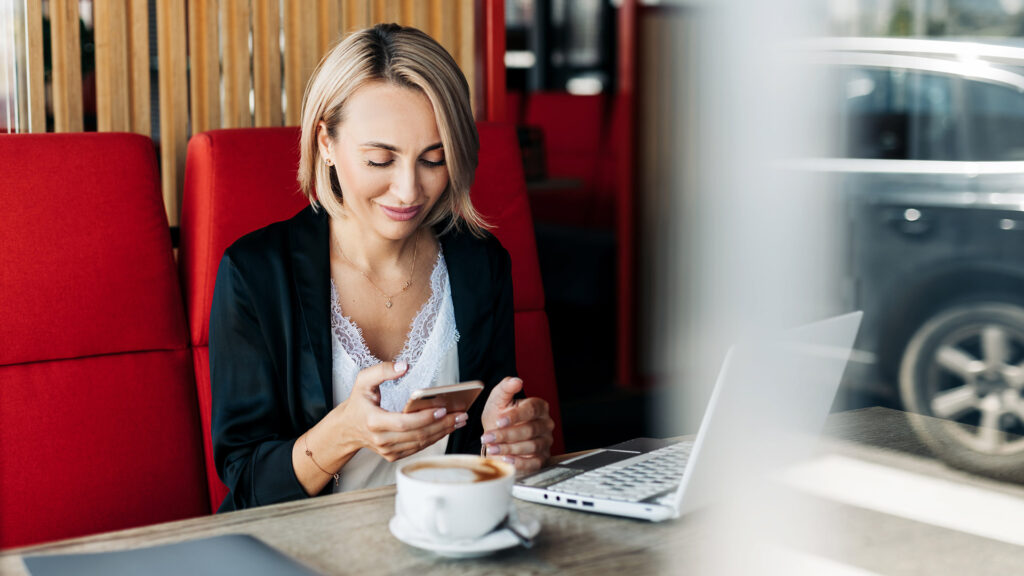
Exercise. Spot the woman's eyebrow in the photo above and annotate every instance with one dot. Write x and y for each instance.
(380, 145)
(391, 148)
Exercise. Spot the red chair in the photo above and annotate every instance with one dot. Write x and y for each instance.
(235, 182)
(574, 140)
(99, 426)
(514, 107)
(499, 193)
(239, 180)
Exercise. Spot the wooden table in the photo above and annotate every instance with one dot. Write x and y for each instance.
(348, 533)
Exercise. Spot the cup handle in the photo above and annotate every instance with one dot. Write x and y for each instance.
(438, 528)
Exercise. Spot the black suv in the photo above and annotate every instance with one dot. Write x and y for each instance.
(931, 160)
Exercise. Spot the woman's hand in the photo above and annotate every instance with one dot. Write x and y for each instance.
(393, 436)
(518, 430)
(360, 422)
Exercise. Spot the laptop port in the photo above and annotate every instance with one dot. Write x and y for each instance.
(590, 504)
(570, 500)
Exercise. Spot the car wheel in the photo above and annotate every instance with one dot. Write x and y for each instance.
(965, 365)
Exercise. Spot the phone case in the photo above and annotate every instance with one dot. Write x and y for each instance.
(456, 398)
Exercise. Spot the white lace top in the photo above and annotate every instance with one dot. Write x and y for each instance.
(433, 360)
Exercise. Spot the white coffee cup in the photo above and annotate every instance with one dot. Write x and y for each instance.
(454, 497)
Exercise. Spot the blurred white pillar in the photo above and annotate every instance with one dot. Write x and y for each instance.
(735, 246)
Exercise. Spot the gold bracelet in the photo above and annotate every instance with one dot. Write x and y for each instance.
(336, 475)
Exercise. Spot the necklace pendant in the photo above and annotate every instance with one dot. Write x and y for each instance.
(388, 304)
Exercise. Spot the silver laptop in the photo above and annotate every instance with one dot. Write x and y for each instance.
(770, 401)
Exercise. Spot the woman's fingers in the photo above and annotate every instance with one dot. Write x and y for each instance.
(393, 442)
(522, 411)
(525, 463)
(538, 445)
(384, 421)
(368, 380)
(523, 431)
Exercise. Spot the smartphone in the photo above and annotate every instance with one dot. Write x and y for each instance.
(455, 398)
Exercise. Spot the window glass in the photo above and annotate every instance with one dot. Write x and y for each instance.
(898, 114)
(996, 121)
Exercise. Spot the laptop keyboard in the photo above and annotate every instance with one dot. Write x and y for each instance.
(634, 479)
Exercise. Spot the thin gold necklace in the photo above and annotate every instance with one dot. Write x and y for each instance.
(387, 297)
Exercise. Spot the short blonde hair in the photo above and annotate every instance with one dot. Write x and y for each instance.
(405, 57)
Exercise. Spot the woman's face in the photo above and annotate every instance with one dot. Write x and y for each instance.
(389, 159)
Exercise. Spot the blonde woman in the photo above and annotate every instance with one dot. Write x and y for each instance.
(322, 325)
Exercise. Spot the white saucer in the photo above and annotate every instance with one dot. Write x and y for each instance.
(486, 544)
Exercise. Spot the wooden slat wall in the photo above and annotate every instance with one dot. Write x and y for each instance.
(67, 66)
(465, 51)
(355, 15)
(211, 81)
(170, 18)
(112, 91)
(300, 56)
(141, 121)
(122, 66)
(329, 24)
(36, 84)
(266, 62)
(234, 21)
(204, 48)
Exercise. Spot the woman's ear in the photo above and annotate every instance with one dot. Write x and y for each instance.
(323, 139)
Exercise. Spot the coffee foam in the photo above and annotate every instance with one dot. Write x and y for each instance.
(454, 473)
(444, 475)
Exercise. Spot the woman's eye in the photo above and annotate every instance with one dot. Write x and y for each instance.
(380, 164)
(432, 164)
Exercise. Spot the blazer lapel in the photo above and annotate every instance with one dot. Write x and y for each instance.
(310, 252)
(462, 279)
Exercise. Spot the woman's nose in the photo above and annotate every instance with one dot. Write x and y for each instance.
(405, 185)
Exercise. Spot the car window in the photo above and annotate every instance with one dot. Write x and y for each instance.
(996, 122)
(898, 114)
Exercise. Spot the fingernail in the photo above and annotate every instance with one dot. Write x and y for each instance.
(462, 418)
(487, 438)
(439, 413)
(459, 424)
(509, 459)
(492, 450)
(400, 366)
(502, 422)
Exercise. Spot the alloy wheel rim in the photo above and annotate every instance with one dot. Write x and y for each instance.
(983, 367)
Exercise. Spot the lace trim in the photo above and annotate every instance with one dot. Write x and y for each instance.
(428, 341)
(351, 335)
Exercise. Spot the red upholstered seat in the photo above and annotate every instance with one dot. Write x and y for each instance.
(99, 425)
(236, 181)
(499, 193)
(575, 146)
(239, 180)
(514, 107)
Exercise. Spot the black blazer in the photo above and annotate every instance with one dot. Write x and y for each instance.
(270, 347)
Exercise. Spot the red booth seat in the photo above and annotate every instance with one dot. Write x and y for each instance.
(578, 144)
(99, 427)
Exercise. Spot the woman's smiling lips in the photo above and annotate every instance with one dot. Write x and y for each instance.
(400, 214)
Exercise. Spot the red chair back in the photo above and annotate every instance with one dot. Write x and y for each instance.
(239, 180)
(573, 128)
(499, 193)
(99, 426)
(236, 181)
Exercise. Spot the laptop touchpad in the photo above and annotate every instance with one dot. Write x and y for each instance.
(598, 459)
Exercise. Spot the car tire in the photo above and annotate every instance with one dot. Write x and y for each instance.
(964, 366)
